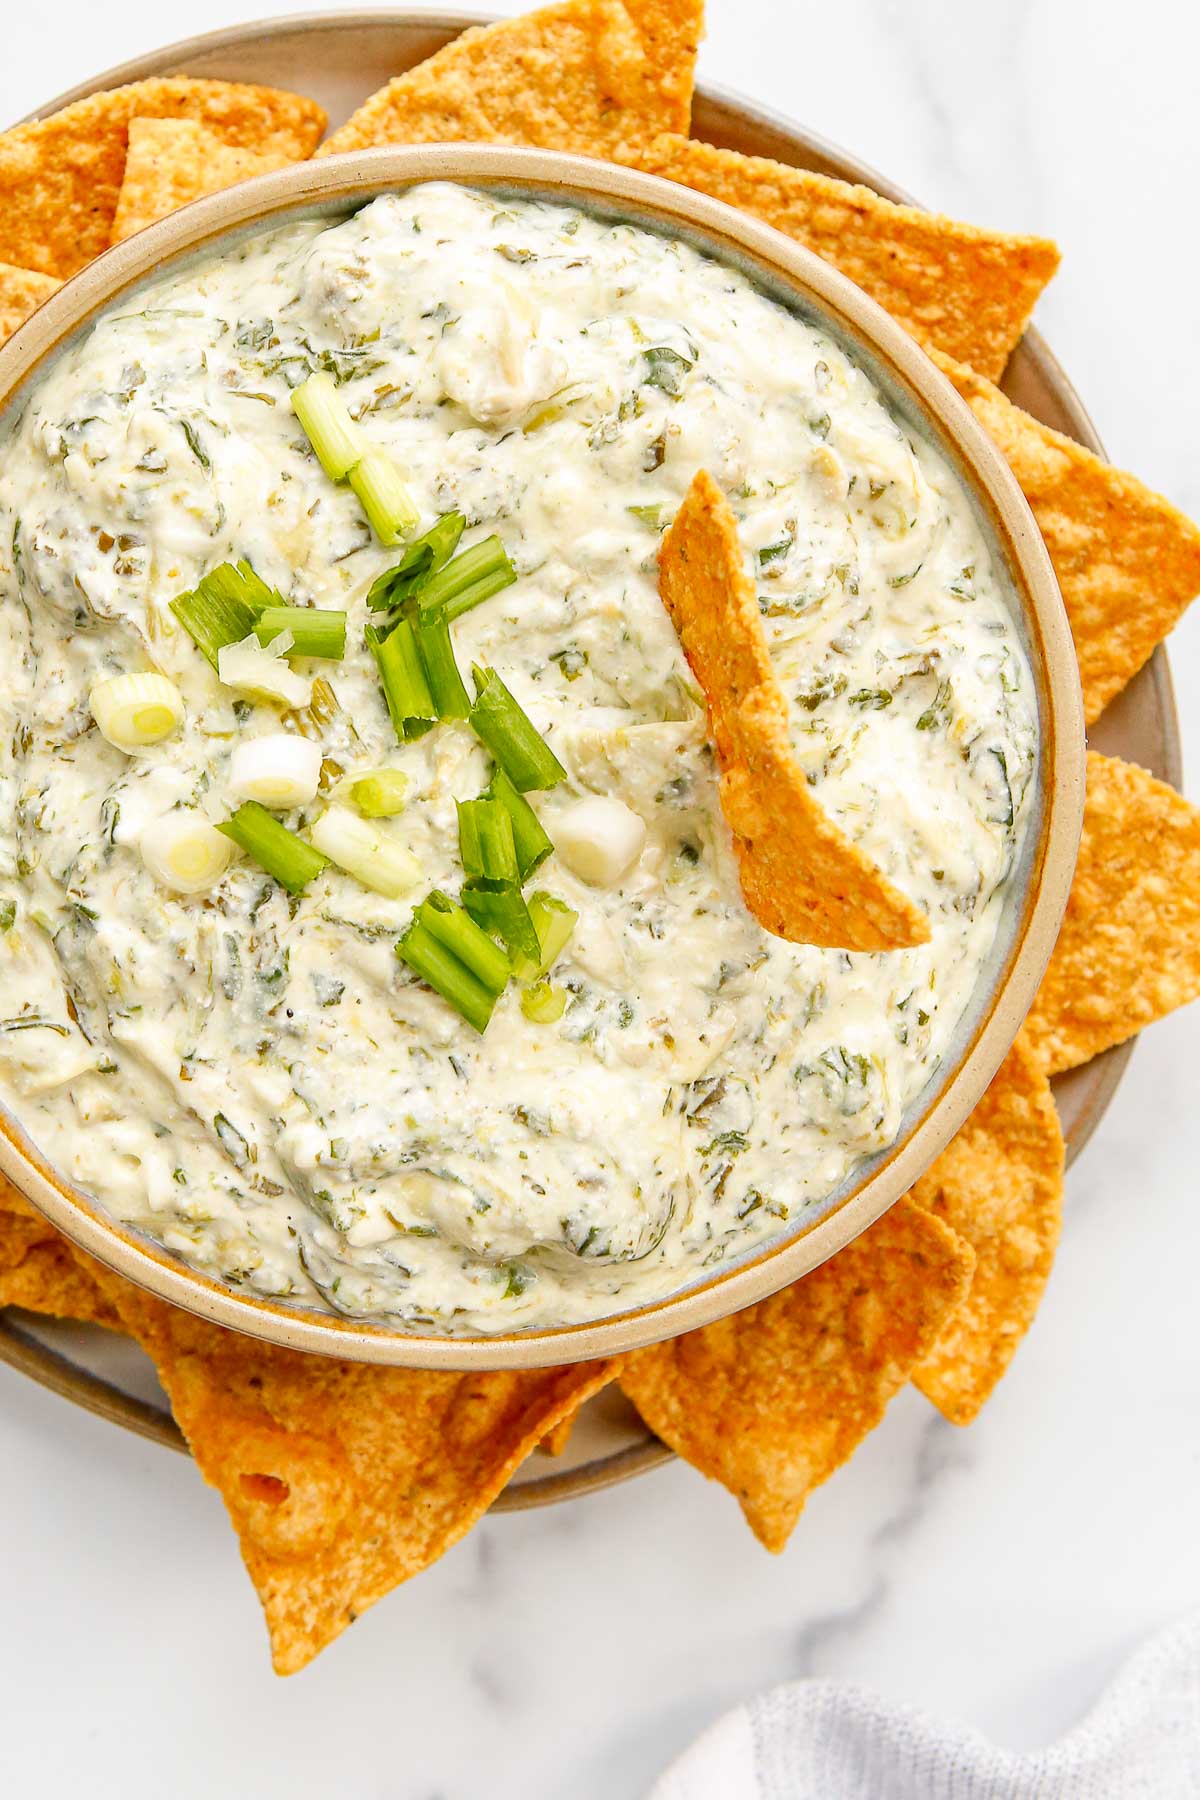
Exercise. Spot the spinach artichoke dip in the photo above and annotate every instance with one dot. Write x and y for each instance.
(373, 935)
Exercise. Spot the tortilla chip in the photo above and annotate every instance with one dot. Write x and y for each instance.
(802, 879)
(172, 161)
(48, 1280)
(1127, 561)
(771, 1401)
(341, 1479)
(39, 1272)
(556, 1441)
(1129, 949)
(60, 177)
(578, 76)
(955, 287)
(21, 293)
(999, 1184)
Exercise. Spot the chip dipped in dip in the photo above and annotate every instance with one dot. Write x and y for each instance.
(375, 935)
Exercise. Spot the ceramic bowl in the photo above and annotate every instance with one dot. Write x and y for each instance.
(333, 187)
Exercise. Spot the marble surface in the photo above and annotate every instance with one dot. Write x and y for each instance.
(999, 1574)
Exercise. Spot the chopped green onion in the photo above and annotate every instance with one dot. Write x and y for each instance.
(446, 974)
(454, 927)
(379, 796)
(281, 853)
(450, 697)
(366, 851)
(386, 501)
(485, 840)
(135, 710)
(224, 607)
(553, 921)
(499, 908)
(315, 631)
(402, 673)
(476, 575)
(510, 735)
(543, 1004)
(654, 516)
(424, 556)
(327, 424)
(531, 842)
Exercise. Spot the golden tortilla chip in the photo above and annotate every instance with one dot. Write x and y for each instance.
(38, 1270)
(999, 1184)
(172, 161)
(1129, 949)
(955, 287)
(578, 76)
(801, 877)
(771, 1401)
(341, 1479)
(21, 293)
(556, 1441)
(60, 177)
(1127, 561)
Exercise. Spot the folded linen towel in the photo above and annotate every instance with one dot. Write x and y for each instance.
(821, 1740)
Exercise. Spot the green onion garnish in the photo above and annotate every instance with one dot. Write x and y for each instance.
(499, 908)
(381, 795)
(386, 501)
(542, 1003)
(450, 697)
(510, 735)
(366, 851)
(485, 840)
(454, 927)
(423, 557)
(447, 974)
(281, 853)
(315, 632)
(224, 607)
(553, 921)
(532, 844)
(402, 672)
(327, 424)
(476, 575)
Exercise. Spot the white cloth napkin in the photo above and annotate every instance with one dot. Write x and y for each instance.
(818, 1740)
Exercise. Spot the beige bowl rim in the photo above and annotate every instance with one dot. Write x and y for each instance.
(343, 182)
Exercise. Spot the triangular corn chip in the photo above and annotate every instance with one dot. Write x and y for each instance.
(172, 161)
(60, 177)
(579, 76)
(21, 293)
(1127, 561)
(1129, 949)
(38, 1270)
(771, 1401)
(801, 876)
(999, 1184)
(556, 1441)
(955, 287)
(342, 1479)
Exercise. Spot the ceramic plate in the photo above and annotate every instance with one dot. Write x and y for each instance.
(339, 59)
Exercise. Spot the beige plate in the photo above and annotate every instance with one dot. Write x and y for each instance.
(339, 60)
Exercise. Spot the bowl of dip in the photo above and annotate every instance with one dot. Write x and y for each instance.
(241, 1096)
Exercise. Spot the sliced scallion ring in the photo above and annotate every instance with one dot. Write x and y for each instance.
(279, 770)
(133, 711)
(184, 852)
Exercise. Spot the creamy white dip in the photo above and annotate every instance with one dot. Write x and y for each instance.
(258, 1083)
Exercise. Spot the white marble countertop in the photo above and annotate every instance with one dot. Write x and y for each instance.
(999, 1574)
